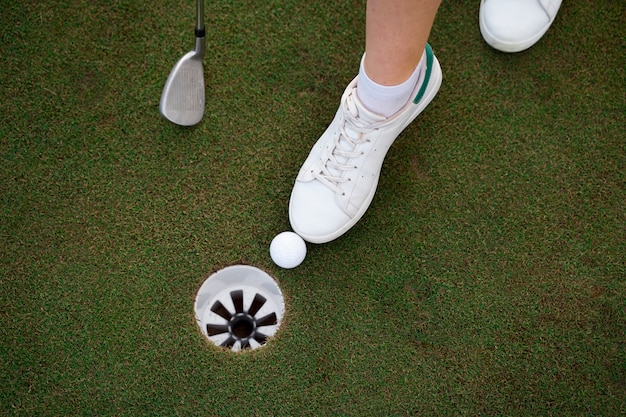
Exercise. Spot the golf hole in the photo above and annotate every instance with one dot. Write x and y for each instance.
(239, 307)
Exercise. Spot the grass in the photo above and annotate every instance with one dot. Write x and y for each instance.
(486, 279)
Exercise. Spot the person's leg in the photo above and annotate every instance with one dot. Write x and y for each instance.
(337, 182)
(396, 32)
(396, 35)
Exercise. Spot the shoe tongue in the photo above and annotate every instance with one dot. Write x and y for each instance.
(357, 116)
(365, 116)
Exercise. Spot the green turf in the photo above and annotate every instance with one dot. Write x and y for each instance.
(487, 278)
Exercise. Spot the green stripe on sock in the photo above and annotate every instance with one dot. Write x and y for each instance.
(429, 70)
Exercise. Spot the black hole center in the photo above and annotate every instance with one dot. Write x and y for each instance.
(242, 326)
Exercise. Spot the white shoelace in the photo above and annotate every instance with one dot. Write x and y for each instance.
(345, 147)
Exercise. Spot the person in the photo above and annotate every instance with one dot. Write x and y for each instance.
(516, 25)
(398, 77)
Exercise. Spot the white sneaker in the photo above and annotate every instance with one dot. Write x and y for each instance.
(337, 182)
(515, 25)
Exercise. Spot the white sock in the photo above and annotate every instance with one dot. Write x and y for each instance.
(382, 99)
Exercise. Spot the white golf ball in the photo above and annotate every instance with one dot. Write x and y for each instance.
(287, 250)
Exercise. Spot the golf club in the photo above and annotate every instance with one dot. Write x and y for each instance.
(182, 100)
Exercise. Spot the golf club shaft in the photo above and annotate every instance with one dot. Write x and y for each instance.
(200, 29)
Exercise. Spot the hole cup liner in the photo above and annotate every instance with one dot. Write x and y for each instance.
(239, 307)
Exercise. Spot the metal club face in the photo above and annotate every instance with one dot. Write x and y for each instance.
(182, 100)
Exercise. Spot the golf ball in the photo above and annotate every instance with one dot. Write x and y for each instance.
(287, 250)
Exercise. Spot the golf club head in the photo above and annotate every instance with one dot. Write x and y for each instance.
(182, 100)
